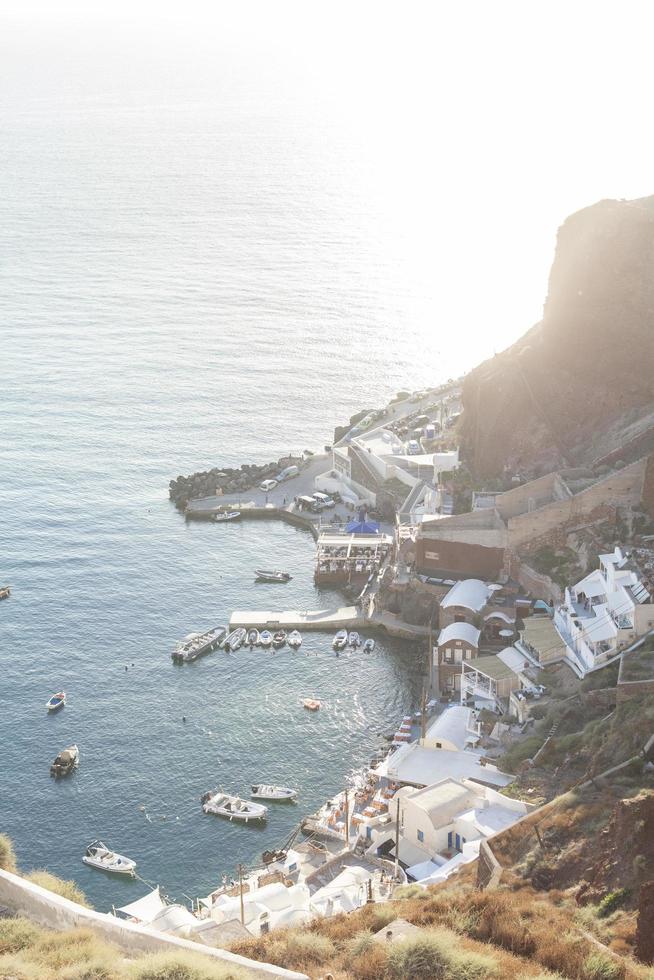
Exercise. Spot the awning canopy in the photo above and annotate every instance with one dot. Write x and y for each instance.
(423, 870)
(144, 909)
(363, 527)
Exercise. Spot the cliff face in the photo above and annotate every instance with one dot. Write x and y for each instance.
(580, 384)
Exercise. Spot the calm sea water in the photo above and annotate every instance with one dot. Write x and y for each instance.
(180, 287)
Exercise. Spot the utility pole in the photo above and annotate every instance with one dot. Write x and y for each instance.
(240, 886)
(423, 714)
(347, 817)
(397, 838)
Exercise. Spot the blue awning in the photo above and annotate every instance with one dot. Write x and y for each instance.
(362, 527)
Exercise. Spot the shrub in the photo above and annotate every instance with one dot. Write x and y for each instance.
(611, 902)
(67, 889)
(420, 957)
(600, 967)
(17, 934)
(309, 947)
(182, 966)
(16, 968)
(409, 891)
(363, 942)
(471, 966)
(7, 854)
(370, 965)
(76, 947)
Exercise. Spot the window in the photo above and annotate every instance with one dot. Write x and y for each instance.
(421, 836)
(439, 745)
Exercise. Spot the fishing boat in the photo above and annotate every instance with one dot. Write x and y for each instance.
(354, 639)
(56, 702)
(235, 639)
(265, 638)
(230, 515)
(194, 645)
(340, 640)
(233, 807)
(264, 575)
(5, 592)
(99, 856)
(294, 640)
(279, 639)
(369, 646)
(311, 704)
(262, 791)
(253, 638)
(66, 761)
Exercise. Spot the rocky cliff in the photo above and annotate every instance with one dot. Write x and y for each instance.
(578, 388)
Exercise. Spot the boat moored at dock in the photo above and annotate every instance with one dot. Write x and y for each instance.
(235, 640)
(253, 638)
(294, 640)
(353, 639)
(265, 638)
(230, 515)
(279, 639)
(340, 640)
(99, 856)
(194, 645)
(233, 807)
(369, 646)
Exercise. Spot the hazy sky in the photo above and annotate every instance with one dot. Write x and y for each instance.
(478, 125)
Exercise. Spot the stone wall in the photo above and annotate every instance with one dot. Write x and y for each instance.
(626, 690)
(535, 494)
(54, 912)
(599, 502)
(489, 870)
(535, 583)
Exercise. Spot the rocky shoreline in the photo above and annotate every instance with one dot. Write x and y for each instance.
(226, 479)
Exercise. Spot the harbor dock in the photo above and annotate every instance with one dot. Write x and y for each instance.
(328, 620)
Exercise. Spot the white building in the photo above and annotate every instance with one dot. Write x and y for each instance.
(442, 826)
(602, 613)
(455, 729)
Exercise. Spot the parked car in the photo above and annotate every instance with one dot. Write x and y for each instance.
(267, 486)
(413, 447)
(323, 499)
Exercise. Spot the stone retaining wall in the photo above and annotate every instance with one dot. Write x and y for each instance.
(54, 912)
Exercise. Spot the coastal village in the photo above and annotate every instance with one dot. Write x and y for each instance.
(513, 596)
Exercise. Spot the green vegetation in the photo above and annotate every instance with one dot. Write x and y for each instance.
(611, 902)
(562, 566)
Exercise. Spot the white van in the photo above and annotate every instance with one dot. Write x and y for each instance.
(267, 485)
(323, 499)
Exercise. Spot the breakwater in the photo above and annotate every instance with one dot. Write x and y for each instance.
(226, 480)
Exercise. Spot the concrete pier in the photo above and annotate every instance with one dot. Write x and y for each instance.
(328, 621)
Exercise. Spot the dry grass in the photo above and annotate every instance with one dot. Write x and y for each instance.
(7, 854)
(67, 889)
(181, 966)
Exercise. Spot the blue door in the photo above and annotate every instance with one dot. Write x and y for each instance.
(458, 842)
(449, 840)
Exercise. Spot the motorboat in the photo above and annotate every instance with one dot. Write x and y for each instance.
(265, 638)
(294, 640)
(66, 761)
(354, 639)
(56, 702)
(252, 638)
(340, 640)
(311, 704)
(233, 807)
(230, 515)
(369, 646)
(279, 639)
(99, 856)
(264, 575)
(194, 645)
(235, 639)
(262, 791)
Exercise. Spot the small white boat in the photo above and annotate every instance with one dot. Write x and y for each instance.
(233, 807)
(340, 640)
(253, 638)
(56, 701)
(294, 640)
(354, 639)
(369, 646)
(311, 704)
(235, 639)
(230, 515)
(66, 761)
(269, 575)
(279, 639)
(99, 856)
(265, 638)
(262, 791)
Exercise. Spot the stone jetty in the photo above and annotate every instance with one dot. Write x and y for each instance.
(225, 479)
